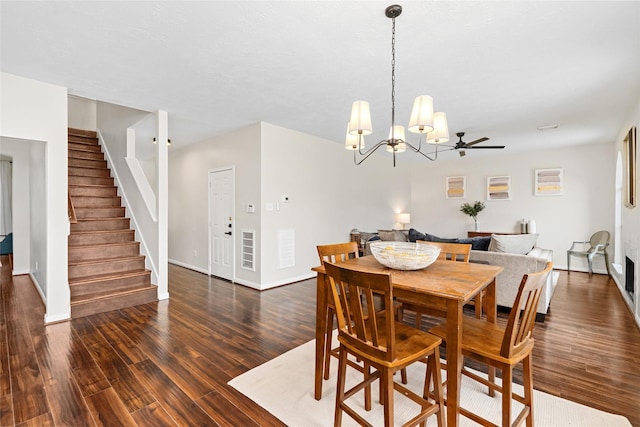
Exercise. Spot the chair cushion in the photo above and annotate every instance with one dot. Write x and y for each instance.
(392, 235)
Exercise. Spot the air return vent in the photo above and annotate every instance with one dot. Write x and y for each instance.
(248, 250)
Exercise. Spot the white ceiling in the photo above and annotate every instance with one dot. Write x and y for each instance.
(498, 69)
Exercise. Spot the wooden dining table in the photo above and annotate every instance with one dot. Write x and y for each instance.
(445, 285)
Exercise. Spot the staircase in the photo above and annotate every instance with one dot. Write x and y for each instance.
(106, 270)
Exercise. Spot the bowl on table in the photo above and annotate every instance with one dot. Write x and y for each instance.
(404, 255)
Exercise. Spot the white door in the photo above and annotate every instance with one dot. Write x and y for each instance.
(221, 223)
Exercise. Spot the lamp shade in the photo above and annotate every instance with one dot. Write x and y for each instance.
(351, 141)
(404, 218)
(397, 133)
(440, 133)
(421, 120)
(360, 121)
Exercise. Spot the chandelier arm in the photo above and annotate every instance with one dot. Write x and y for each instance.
(424, 154)
(368, 152)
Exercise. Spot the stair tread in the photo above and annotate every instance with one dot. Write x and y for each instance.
(104, 260)
(111, 218)
(107, 276)
(92, 185)
(86, 232)
(92, 298)
(105, 245)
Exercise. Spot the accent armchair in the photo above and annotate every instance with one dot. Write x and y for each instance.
(597, 245)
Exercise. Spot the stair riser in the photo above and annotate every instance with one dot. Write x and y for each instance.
(77, 154)
(115, 303)
(93, 148)
(101, 238)
(106, 267)
(89, 253)
(90, 191)
(83, 140)
(88, 213)
(82, 132)
(90, 180)
(98, 164)
(96, 202)
(115, 284)
(80, 171)
(100, 225)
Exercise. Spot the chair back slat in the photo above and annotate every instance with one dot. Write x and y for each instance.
(360, 326)
(338, 252)
(522, 318)
(451, 251)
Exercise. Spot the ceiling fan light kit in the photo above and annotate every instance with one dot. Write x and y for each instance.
(423, 120)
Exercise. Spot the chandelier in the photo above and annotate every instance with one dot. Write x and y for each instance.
(423, 120)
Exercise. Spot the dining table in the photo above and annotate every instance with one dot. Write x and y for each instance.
(445, 285)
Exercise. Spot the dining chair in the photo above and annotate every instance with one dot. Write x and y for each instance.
(382, 343)
(459, 252)
(334, 253)
(503, 348)
(597, 245)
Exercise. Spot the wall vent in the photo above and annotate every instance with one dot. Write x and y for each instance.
(248, 250)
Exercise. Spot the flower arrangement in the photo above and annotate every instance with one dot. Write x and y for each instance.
(473, 210)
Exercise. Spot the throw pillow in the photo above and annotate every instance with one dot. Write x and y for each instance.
(416, 235)
(392, 235)
(513, 243)
(365, 237)
(477, 243)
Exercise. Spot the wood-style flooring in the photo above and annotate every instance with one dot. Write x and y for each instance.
(168, 362)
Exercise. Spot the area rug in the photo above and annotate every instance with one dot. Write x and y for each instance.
(284, 387)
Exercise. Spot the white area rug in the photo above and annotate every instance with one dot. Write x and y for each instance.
(284, 387)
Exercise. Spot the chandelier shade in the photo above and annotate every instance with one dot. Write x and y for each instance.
(421, 115)
(422, 121)
(360, 121)
(351, 141)
(440, 132)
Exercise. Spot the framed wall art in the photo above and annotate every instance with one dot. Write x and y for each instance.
(630, 168)
(499, 188)
(548, 182)
(456, 187)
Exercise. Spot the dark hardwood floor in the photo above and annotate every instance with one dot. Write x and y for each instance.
(168, 363)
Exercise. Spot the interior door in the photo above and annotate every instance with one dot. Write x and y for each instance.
(221, 223)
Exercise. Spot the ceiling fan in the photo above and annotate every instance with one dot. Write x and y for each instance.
(461, 145)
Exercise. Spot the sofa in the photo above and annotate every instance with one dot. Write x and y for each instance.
(516, 254)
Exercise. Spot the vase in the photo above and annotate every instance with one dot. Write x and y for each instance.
(477, 226)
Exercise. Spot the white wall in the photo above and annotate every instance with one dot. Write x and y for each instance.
(36, 111)
(630, 220)
(188, 196)
(18, 150)
(82, 113)
(328, 196)
(38, 265)
(585, 206)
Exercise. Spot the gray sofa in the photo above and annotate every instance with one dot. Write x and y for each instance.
(515, 266)
(516, 254)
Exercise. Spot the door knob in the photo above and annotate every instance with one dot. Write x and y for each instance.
(228, 233)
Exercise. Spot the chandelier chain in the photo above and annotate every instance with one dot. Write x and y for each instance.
(393, 74)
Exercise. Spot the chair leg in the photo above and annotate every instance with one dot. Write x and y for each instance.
(329, 336)
(568, 263)
(342, 373)
(433, 367)
(387, 384)
(367, 389)
(590, 263)
(507, 378)
(606, 262)
(527, 372)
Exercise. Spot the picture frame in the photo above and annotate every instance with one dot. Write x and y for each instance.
(456, 187)
(630, 168)
(499, 187)
(548, 182)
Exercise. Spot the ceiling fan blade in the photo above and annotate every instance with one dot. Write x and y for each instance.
(487, 146)
(468, 144)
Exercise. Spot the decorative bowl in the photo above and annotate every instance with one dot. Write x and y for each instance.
(404, 255)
